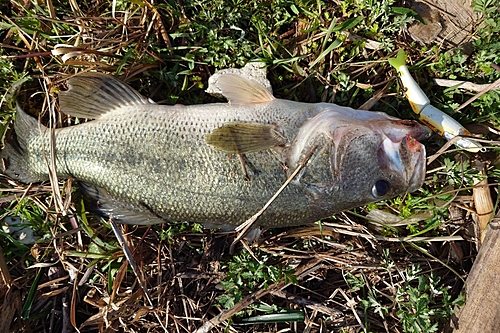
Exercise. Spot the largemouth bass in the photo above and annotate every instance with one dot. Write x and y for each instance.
(145, 163)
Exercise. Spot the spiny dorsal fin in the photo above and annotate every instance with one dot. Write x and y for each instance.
(93, 94)
(239, 90)
(242, 138)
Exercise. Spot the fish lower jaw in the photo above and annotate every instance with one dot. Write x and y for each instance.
(407, 158)
(416, 172)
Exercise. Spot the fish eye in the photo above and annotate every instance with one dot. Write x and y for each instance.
(380, 188)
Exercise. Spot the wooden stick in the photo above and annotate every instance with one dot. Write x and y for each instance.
(481, 93)
(245, 226)
(482, 308)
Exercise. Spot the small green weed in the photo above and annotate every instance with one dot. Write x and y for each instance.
(245, 275)
(176, 228)
(381, 19)
(476, 66)
(419, 300)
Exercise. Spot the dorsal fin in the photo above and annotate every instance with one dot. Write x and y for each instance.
(93, 94)
(240, 90)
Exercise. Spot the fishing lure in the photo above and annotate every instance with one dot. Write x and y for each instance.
(434, 118)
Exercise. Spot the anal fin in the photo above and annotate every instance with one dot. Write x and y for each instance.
(103, 204)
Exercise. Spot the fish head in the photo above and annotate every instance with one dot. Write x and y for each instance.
(359, 161)
(371, 166)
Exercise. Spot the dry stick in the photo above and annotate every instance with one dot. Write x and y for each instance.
(241, 157)
(243, 228)
(447, 145)
(350, 302)
(484, 91)
(133, 265)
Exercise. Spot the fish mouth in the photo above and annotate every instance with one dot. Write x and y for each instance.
(415, 173)
(398, 129)
(401, 150)
(406, 157)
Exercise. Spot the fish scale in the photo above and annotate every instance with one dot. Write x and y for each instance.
(145, 163)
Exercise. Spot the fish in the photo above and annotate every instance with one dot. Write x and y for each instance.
(145, 163)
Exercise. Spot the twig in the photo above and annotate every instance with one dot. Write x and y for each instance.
(495, 66)
(481, 93)
(245, 226)
(441, 150)
(241, 157)
(350, 302)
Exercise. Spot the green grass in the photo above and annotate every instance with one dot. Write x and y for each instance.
(167, 51)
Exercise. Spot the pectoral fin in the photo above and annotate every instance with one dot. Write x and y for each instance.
(243, 138)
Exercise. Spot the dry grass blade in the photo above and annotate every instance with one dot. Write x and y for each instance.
(492, 86)
(137, 272)
(351, 302)
(4, 271)
(465, 85)
(395, 239)
(441, 150)
(369, 104)
(68, 51)
(51, 162)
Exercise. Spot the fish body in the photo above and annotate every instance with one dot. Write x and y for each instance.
(145, 163)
